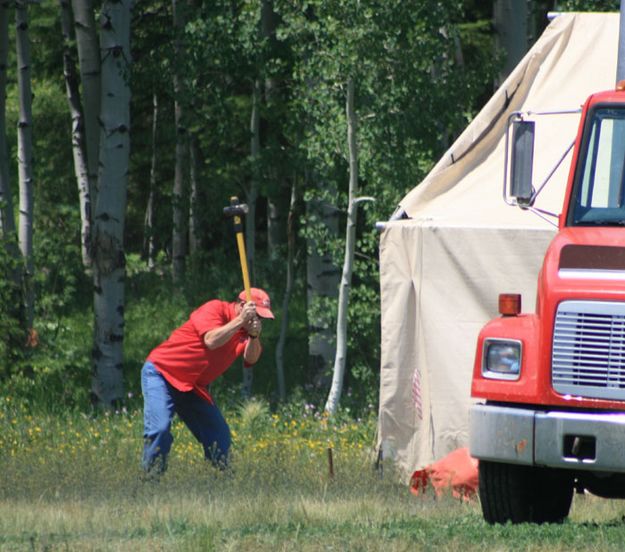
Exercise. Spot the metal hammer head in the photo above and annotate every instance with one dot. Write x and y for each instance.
(236, 209)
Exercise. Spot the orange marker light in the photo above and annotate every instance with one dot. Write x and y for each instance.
(510, 304)
(620, 85)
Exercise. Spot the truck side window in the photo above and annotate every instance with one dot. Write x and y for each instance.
(599, 195)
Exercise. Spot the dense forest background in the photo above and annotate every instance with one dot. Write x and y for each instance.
(115, 168)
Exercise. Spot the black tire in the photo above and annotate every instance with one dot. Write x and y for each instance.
(524, 494)
(553, 495)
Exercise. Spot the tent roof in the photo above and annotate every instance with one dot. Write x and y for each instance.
(575, 56)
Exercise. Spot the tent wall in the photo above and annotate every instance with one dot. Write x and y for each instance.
(438, 290)
(442, 270)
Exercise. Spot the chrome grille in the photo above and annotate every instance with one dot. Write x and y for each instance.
(588, 357)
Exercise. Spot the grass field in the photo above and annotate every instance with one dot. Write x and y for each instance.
(72, 482)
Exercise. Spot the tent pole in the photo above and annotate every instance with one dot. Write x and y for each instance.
(620, 65)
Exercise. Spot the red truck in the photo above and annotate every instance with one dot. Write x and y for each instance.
(551, 384)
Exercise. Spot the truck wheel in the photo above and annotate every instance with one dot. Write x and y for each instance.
(521, 494)
(553, 495)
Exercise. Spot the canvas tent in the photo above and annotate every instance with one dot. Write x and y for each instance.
(441, 269)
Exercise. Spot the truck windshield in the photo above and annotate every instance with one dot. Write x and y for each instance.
(599, 198)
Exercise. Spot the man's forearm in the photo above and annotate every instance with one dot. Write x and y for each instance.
(253, 349)
(220, 336)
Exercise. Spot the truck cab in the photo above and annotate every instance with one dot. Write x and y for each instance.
(549, 416)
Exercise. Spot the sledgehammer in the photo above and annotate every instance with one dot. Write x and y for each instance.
(237, 210)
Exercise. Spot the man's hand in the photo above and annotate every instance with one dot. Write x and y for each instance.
(250, 320)
(253, 347)
(248, 312)
(254, 327)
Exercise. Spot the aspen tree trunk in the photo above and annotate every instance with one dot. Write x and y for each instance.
(149, 244)
(250, 222)
(277, 219)
(8, 233)
(252, 192)
(322, 278)
(178, 248)
(72, 89)
(350, 243)
(7, 219)
(284, 323)
(109, 215)
(194, 200)
(88, 48)
(25, 157)
(280, 191)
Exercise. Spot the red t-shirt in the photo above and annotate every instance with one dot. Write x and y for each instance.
(185, 361)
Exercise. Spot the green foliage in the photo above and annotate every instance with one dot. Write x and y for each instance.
(413, 95)
(58, 373)
(60, 282)
(12, 336)
(588, 5)
(54, 369)
(421, 69)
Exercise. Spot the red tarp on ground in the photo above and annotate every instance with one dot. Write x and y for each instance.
(456, 471)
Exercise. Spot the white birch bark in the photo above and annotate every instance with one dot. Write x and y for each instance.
(72, 89)
(334, 396)
(7, 219)
(88, 48)
(109, 215)
(25, 157)
(178, 196)
(149, 242)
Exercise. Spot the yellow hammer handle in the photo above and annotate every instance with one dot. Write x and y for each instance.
(243, 257)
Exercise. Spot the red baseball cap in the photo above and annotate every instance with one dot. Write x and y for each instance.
(261, 298)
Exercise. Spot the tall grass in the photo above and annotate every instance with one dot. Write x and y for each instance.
(72, 482)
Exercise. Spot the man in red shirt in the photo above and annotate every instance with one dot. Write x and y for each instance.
(176, 374)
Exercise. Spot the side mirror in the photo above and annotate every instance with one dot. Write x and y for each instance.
(522, 161)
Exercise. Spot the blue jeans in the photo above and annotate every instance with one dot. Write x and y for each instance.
(205, 421)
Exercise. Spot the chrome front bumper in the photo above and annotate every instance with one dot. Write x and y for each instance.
(573, 440)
